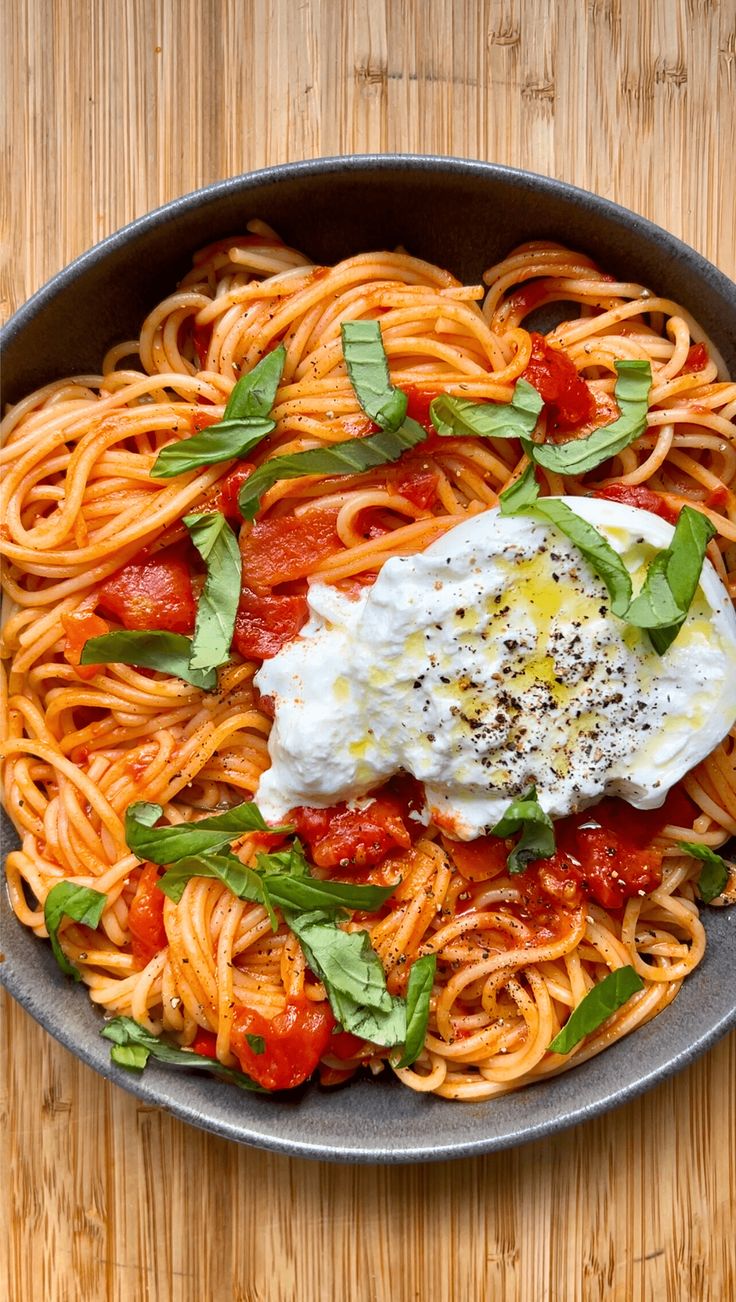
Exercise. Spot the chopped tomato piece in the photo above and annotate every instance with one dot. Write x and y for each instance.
(570, 402)
(607, 851)
(697, 359)
(226, 497)
(146, 917)
(529, 296)
(79, 627)
(153, 593)
(638, 495)
(479, 860)
(346, 1045)
(343, 837)
(420, 401)
(415, 480)
(201, 336)
(204, 1043)
(293, 1043)
(266, 622)
(285, 548)
(718, 498)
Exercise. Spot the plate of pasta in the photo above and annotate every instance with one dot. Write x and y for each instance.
(369, 657)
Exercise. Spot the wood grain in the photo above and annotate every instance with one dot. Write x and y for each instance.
(110, 108)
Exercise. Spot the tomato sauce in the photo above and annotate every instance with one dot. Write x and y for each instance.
(79, 627)
(347, 838)
(569, 401)
(293, 1043)
(697, 359)
(155, 593)
(638, 495)
(265, 622)
(146, 917)
(284, 548)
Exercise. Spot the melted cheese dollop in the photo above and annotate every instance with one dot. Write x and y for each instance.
(491, 662)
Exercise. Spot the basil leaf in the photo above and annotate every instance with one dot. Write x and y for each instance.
(597, 551)
(672, 580)
(257, 1043)
(537, 839)
(291, 859)
(164, 845)
(714, 875)
(307, 893)
(245, 422)
(367, 368)
(344, 960)
(133, 1056)
(167, 652)
(227, 868)
(349, 458)
(520, 496)
(221, 442)
(599, 1003)
(575, 457)
(459, 417)
(218, 603)
(81, 904)
(419, 990)
(254, 394)
(353, 977)
(123, 1031)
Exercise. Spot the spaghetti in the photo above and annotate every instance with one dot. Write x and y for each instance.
(88, 535)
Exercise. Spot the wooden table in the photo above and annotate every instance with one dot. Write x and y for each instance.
(114, 107)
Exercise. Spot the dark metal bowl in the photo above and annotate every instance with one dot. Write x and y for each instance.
(465, 216)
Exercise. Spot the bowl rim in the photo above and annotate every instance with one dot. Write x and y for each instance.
(164, 1089)
(328, 164)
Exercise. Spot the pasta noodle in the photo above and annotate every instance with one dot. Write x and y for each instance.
(79, 503)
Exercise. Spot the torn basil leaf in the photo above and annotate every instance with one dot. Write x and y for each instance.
(672, 580)
(367, 368)
(245, 423)
(714, 874)
(596, 549)
(353, 977)
(598, 1005)
(537, 840)
(352, 457)
(418, 994)
(256, 1043)
(520, 496)
(577, 456)
(81, 904)
(127, 1034)
(167, 652)
(218, 602)
(165, 845)
(459, 417)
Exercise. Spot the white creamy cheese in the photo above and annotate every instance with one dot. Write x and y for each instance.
(491, 662)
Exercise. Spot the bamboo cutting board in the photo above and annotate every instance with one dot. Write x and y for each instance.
(111, 108)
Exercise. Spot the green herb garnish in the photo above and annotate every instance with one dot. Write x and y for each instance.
(167, 652)
(367, 368)
(580, 455)
(418, 994)
(598, 1005)
(537, 840)
(245, 422)
(133, 1045)
(218, 603)
(714, 875)
(352, 457)
(460, 417)
(81, 904)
